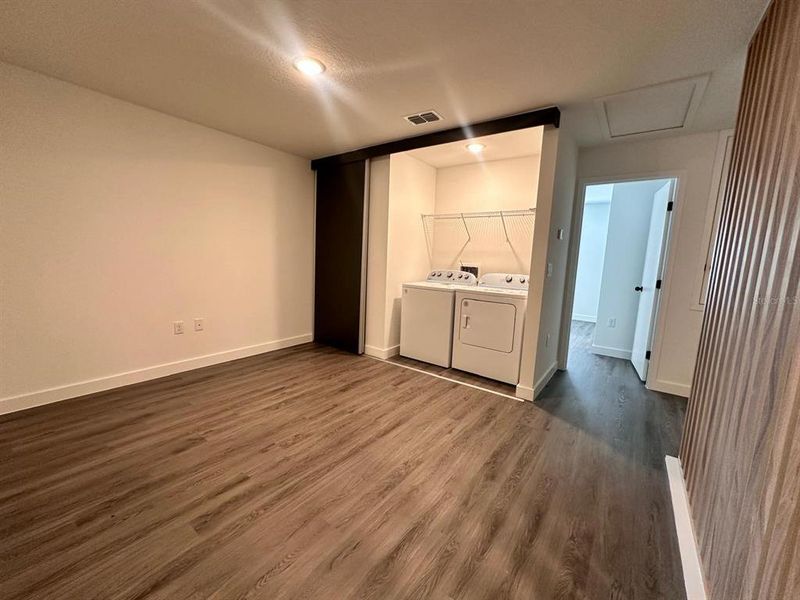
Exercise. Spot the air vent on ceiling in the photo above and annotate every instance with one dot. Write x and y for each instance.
(429, 116)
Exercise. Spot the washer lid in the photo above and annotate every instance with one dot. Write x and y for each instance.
(430, 285)
(436, 285)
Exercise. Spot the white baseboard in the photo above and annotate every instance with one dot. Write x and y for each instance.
(544, 379)
(524, 392)
(101, 384)
(611, 351)
(690, 557)
(585, 318)
(669, 387)
(382, 353)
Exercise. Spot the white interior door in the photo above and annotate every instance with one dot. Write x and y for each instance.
(648, 299)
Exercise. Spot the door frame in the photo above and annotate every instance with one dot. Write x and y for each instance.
(669, 249)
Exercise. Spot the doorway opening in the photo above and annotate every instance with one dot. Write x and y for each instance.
(449, 257)
(619, 275)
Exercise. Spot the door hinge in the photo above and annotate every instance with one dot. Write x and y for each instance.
(669, 206)
(658, 284)
(647, 355)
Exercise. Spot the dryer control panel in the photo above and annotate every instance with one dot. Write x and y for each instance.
(513, 281)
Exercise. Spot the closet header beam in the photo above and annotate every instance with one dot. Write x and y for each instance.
(534, 118)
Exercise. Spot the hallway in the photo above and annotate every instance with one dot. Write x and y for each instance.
(603, 396)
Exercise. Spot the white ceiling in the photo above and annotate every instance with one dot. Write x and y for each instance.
(227, 63)
(598, 194)
(499, 146)
(602, 193)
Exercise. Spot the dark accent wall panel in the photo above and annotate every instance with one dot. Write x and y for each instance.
(339, 255)
(741, 444)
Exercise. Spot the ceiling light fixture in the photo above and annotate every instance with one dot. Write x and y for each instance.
(476, 147)
(308, 65)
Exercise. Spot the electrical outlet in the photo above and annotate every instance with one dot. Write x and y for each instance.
(612, 322)
(199, 324)
(549, 269)
(177, 327)
(547, 340)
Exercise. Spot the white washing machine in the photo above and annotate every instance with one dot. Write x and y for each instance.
(487, 326)
(426, 315)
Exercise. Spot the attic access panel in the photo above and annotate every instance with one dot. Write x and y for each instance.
(666, 106)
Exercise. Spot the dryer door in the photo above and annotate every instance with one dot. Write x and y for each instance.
(487, 325)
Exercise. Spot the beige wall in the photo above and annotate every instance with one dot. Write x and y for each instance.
(492, 185)
(377, 239)
(399, 195)
(546, 294)
(412, 192)
(692, 158)
(118, 220)
(508, 184)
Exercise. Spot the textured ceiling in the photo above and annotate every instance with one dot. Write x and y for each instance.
(227, 63)
(499, 146)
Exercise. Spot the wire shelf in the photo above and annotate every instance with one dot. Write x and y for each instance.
(485, 228)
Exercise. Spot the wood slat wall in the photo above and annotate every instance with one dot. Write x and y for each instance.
(741, 444)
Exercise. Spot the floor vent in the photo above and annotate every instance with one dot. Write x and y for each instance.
(429, 116)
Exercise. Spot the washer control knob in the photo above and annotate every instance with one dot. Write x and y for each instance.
(509, 279)
(450, 274)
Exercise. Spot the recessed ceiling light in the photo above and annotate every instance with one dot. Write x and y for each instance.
(308, 65)
(476, 147)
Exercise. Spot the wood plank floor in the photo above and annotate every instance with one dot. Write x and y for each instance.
(455, 374)
(310, 473)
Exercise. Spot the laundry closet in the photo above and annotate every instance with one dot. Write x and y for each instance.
(450, 232)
